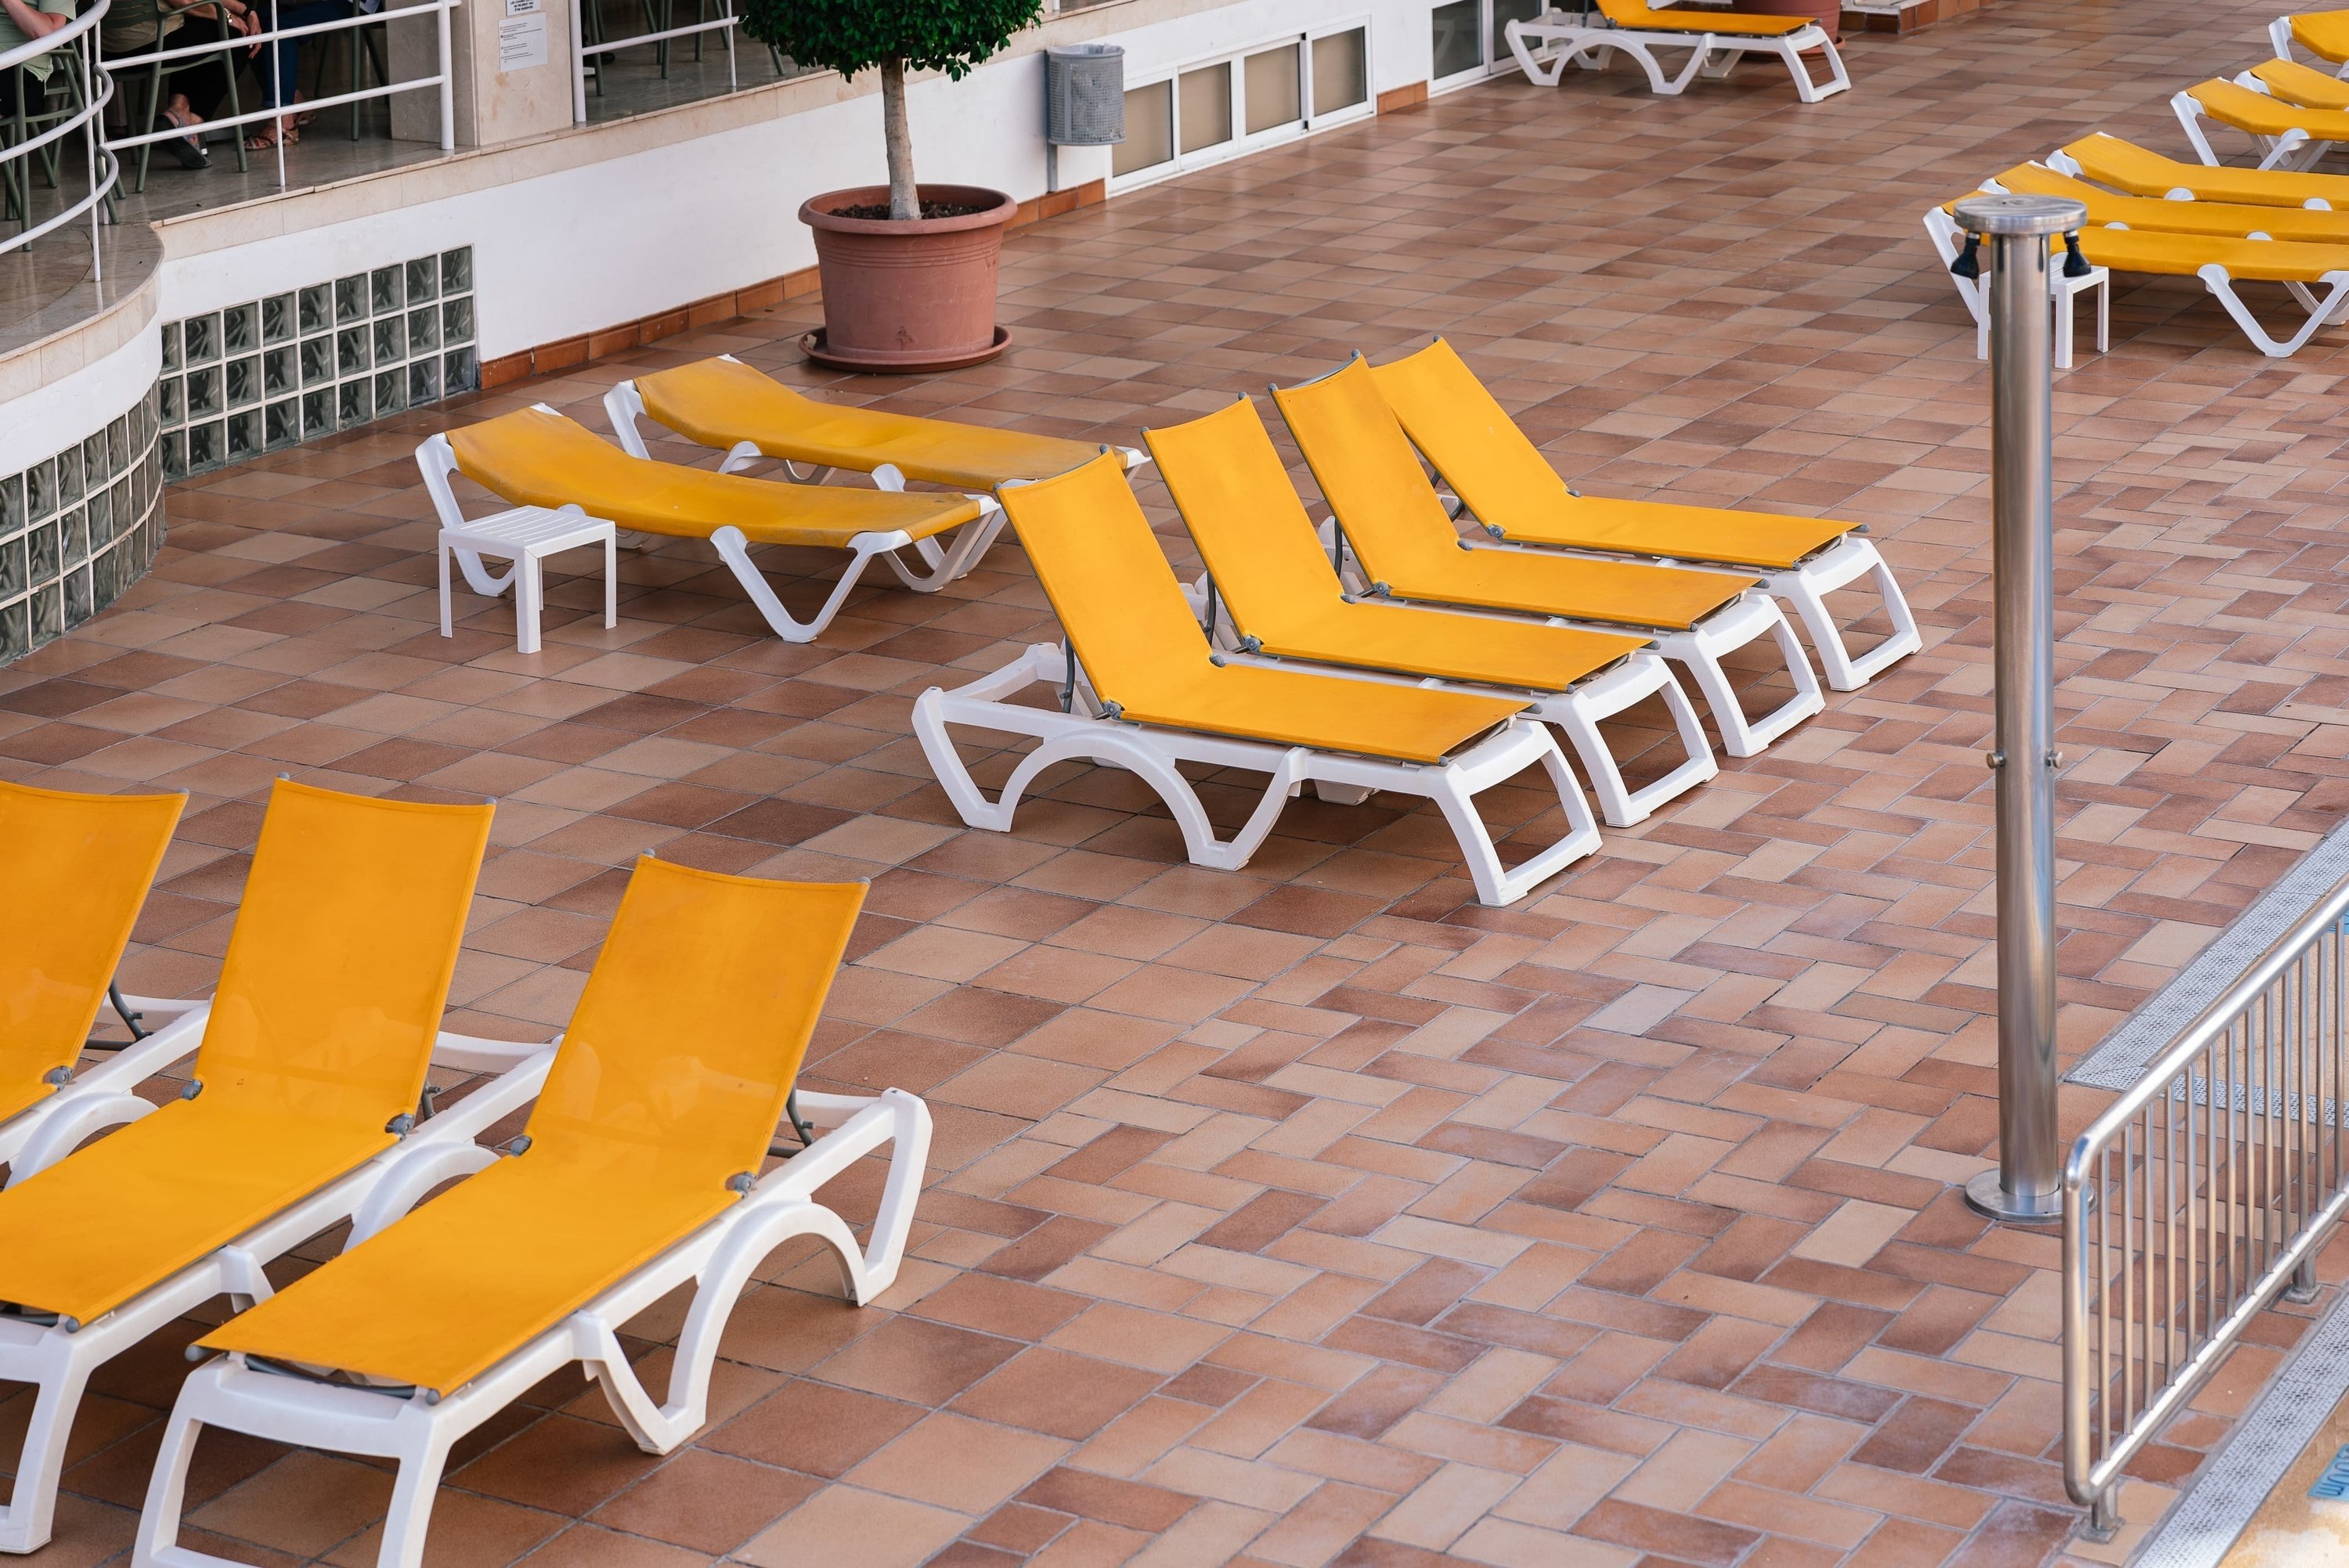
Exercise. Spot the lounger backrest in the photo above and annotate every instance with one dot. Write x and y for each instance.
(1463, 429)
(1230, 484)
(339, 966)
(533, 457)
(693, 1025)
(1368, 473)
(77, 869)
(2123, 163)
(1110, 584)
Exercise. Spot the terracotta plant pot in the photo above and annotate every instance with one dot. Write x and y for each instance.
(1828, 14)
(909, 295)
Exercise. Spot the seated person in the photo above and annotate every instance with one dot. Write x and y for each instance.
(197, 84)
(20, 23)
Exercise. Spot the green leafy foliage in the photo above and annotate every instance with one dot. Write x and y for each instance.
(848, 36)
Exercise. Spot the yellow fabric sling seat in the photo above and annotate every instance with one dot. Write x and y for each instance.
(2224, 219)
(533, 456)
(668, 1086)
(1395, 524)
(724, 403)
(1637, 16)
(320, 1032)
(2126, 166)
(1156, 694)
(2324, 33)
(2297, 84)
(637, 1173)
(308, 1078)
(78, 868)
(1509, 486)
(1282, 599)
(2287, 134)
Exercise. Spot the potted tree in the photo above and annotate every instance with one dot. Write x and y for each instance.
(907, 270)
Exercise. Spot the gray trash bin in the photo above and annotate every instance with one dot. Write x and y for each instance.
(1085, 95)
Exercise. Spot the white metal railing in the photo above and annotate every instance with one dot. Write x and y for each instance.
(443, 78)
(582, 51)
(77, 41)
(2198, 1196)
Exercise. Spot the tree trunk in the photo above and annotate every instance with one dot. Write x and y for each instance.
(904, 202)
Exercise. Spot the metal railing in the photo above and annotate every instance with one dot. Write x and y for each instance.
(443, 78)
(2198, 1196)
(582, 51)
(77, 41)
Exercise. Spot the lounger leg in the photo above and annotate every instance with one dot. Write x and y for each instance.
(2222, 288)
(416, 1483)
(735, 551)
(972, 542)
(31, 1513)
(1806, 588)
(1455, 794)
(2189, 118)
(158, 1537)
(1701, 651)
(1578, 714)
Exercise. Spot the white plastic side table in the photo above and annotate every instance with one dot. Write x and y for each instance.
(526, 535)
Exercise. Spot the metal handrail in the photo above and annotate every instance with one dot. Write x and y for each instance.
(2211, 1185)
(581, 50)
(444, 78)
(78, 38)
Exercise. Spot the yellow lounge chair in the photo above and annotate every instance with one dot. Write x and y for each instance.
(724, 403)
(2219, 263)
(1545, 45)
(536, 458)
(2287, 136)
(2324, 33)
(637, 1174)
(1508, 488)
(1271, 593)
(2126, 166)
(302, 1111)
(78, 868)
(1142, 689)
(1397, 526)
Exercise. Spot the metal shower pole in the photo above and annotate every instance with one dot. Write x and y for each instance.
(2028, 1185)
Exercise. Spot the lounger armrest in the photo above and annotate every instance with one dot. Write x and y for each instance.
(73, 1120)
(166, 1009)
(478, 1054)
(520, 1071)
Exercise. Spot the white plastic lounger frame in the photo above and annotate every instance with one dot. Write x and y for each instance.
(1743, 620)
(938, 566)
(1576, 711)
(1949, 240)
(624, 406)
(1153, 752)
(58, 1359)
(1805, 585)
(2279, 35)
(1546, 45)
(2330, 309)
(416, 1430)
(2294, 151)
(24, 1137)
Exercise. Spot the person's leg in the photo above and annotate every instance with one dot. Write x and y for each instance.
(202, 85)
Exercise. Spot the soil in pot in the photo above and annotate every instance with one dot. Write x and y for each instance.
(878, 212)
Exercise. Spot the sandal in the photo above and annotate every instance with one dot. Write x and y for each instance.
(187, 149)
(269, 136)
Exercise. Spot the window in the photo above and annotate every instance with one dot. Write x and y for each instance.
(1149, 130)
(1470, 37)
(1210, 110)
(1342, 77)
(1274, 92)
(1204, 110)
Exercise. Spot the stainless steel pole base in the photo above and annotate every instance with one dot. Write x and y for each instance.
(1986, 1195)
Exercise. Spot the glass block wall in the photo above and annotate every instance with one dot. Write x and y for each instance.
(78, 528)
(295, 367)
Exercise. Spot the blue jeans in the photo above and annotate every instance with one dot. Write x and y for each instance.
(277, 84)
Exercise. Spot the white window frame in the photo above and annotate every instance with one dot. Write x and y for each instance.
(1497, 59)
(1239, 144)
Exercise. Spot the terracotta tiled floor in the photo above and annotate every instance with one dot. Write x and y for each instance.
(1314, 1213)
